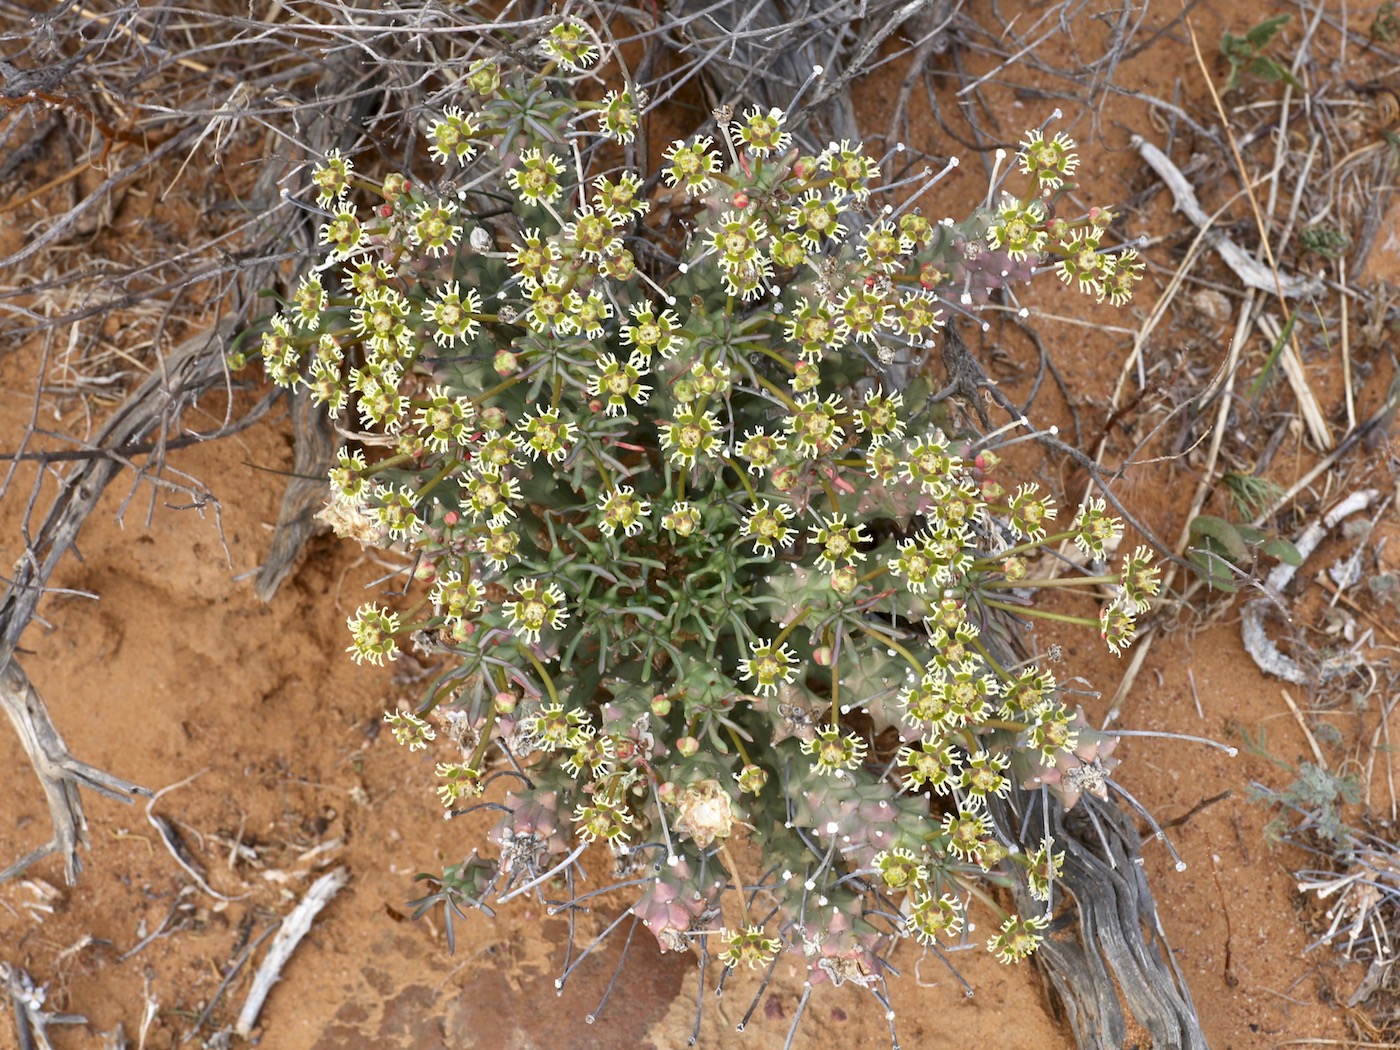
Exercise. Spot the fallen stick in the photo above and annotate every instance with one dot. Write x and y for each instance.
(1257, 643)
(27, 1000)
(294, 928)
(58, 771)
(167, 835)
(1250, 271)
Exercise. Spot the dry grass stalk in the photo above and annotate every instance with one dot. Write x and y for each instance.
(1313, 417)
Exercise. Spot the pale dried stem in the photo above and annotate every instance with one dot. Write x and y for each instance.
(59, 773)
(1307, 730)
(1313, 417)
(294, 927)
(1228, 372)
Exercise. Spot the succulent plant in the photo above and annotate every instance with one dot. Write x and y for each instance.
(698, 553)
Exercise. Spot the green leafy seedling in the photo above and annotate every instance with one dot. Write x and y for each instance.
(1250, 492)
(1218, 548)
(1385, 28)
(1245, 54)
(1330, 242)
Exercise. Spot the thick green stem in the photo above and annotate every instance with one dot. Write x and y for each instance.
(738, 743)
(1020, 548)
(892, 643)
(788, 627)
(1068, 581)
(1044, 614)
(387, 463)
(777, 391)
(484, 742)
(481, 398)
(451, 465)
(540, 670)
(743, 479)
(991, 660)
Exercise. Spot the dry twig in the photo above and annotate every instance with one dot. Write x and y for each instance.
(1250, 272)
(27, 1000)
(294, 927)
(1256, 642)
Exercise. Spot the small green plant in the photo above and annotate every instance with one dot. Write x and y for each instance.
(1222, 550)
(1324, 239)
(1315, 798)
(1385, 27)
(1384, 587)
(1246, 54)
(1251, 493)
(697, 564)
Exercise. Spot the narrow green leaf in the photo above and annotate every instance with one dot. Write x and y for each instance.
(1266, 30)
(1284, 335)
(1266, 68)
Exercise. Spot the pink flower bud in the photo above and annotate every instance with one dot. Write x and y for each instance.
(844, 580)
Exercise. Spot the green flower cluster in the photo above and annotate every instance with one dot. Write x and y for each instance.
(686, 546)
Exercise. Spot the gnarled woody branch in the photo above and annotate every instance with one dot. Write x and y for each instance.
(59, 772)
(155, 405)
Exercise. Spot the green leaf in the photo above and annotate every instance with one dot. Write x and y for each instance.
(1225, 537)
(1266, 30)
(1266, 68)
(1284, 335)
(1252, 536)
(1210, 564)
(1283, 550)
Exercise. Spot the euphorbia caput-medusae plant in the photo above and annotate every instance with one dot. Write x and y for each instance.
(694, 565)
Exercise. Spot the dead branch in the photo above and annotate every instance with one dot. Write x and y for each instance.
(172, 843)
(193, 367)
(1257, 643)
(1251, 273)
(305, 495)
(59, 773)
(27, 999)
(294, 927)
(155, 404)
